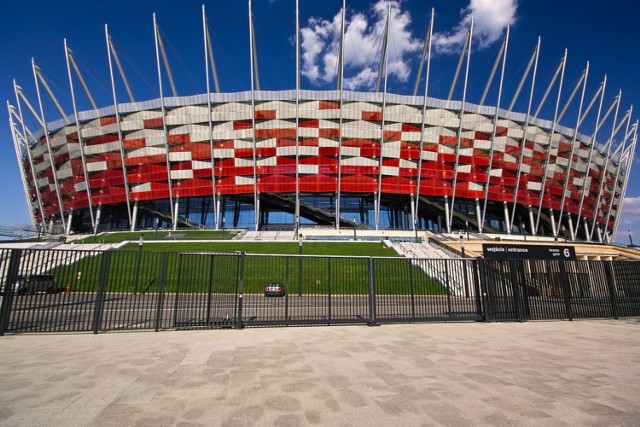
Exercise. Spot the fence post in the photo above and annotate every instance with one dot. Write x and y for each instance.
(7, 299)
(286, 289)
(286, 292)
(566, 288)
(161, 284)
(372, 296)
(412, 288)
(102, 284)
(178, 284)
(483, 287)
(210, 288)
(300, 266)
(515, 287)
(611, 285)
(240, 291)
(136, 274)
(448, 287)
(329, 288)
(476, 287)
(466, 277)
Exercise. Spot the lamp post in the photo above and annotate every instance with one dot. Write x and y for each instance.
(462, 246)
(355, 237)
(630, 239)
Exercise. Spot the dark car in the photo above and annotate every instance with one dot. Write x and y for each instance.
(274, 290)
(34, 283)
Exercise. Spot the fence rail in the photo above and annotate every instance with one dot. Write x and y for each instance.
(93, 291)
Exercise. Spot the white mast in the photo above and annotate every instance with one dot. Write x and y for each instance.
(585, 176)
(631, 155)
(605, 168)
(623, 153)
(424, 116)
(464, 99)
(36, 184)
(504, 50)
(551, 133)
(208, 54)
(296, 219)
(80, 140)
(534, 61)
(119, 129)
(16, 146)
(340, 84)
(585, 76)
(48, 141)
(256, 199)
(174, 218)
(384, 104)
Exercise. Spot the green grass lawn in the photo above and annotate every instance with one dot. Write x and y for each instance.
(317, 273)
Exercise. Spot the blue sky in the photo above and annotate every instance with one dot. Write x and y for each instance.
(605, 35)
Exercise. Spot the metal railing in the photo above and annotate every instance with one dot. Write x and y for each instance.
(99, 291)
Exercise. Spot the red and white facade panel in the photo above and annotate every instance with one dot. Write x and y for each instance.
(399, 150)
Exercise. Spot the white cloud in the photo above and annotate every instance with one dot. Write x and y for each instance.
(490, 19)
(365, 78)
(363, 39)
(629, 221)
(318, 43)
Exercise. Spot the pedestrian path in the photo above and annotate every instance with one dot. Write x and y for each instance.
(535, 373)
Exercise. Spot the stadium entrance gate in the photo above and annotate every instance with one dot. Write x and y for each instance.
(546, 289)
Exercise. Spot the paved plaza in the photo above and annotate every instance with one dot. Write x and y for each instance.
(534, 373)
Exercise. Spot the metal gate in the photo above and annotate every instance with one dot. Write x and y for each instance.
(207, 290)
(317, 290)
(426, 290)
(550, 289)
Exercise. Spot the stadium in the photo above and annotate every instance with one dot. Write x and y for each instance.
(337, 158)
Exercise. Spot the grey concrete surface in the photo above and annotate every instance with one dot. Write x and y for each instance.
(536, 373)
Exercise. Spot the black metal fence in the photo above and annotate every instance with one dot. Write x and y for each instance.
(550, 289)
(93, 291)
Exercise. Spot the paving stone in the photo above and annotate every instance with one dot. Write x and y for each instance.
(585, 372)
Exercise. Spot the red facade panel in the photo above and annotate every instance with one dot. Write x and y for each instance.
(156, 123)
(329, 133)
(102, 139)
(373, 116)
(134, 143)
(329, 105)
(265, 114)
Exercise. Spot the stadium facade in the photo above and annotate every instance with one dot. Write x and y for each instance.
(284, 159)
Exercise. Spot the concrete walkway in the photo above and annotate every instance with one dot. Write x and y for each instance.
(535, 373)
